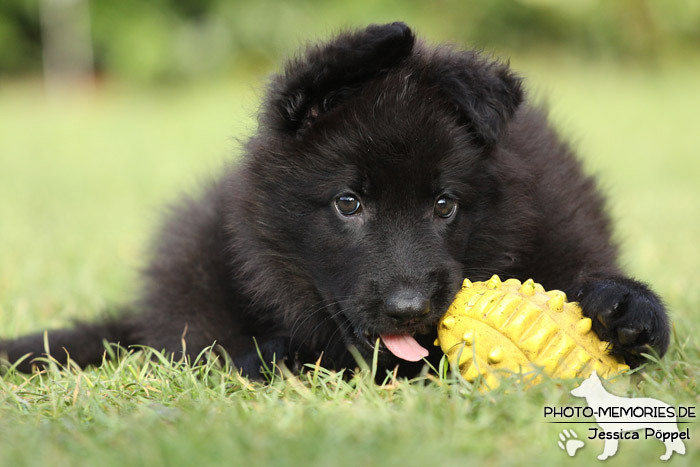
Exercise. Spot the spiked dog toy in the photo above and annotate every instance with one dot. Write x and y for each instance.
(497, 326)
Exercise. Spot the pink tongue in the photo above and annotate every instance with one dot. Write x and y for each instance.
(404, 347)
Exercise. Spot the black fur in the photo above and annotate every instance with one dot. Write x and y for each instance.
(379, 117)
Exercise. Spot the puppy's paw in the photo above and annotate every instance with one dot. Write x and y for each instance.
(627, 314)
(260, 362)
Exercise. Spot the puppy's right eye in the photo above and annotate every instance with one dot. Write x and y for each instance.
(348, 205)
(445, 207)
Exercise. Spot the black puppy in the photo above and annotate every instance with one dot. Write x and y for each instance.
(382, 173)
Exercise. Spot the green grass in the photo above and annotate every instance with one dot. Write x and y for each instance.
(83, 180)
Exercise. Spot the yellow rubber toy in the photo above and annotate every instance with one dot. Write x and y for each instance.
(518, 327)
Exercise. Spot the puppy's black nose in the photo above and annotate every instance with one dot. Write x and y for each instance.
(405, 304)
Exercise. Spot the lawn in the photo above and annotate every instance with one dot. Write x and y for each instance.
(84, 178)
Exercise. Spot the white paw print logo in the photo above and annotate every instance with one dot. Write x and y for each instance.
(569, 442)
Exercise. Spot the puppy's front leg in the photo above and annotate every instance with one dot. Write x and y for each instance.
(626, 313)
(269, 352)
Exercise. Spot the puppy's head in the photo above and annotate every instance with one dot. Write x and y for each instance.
(368, 177)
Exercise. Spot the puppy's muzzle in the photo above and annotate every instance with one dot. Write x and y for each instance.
(406, 304)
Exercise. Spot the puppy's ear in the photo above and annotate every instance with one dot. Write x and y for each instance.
(328, 73)
(485, 93)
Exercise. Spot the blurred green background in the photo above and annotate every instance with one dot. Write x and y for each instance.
(161, 40)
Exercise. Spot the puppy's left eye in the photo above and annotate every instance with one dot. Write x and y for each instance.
(348, 205)
(445, 207)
